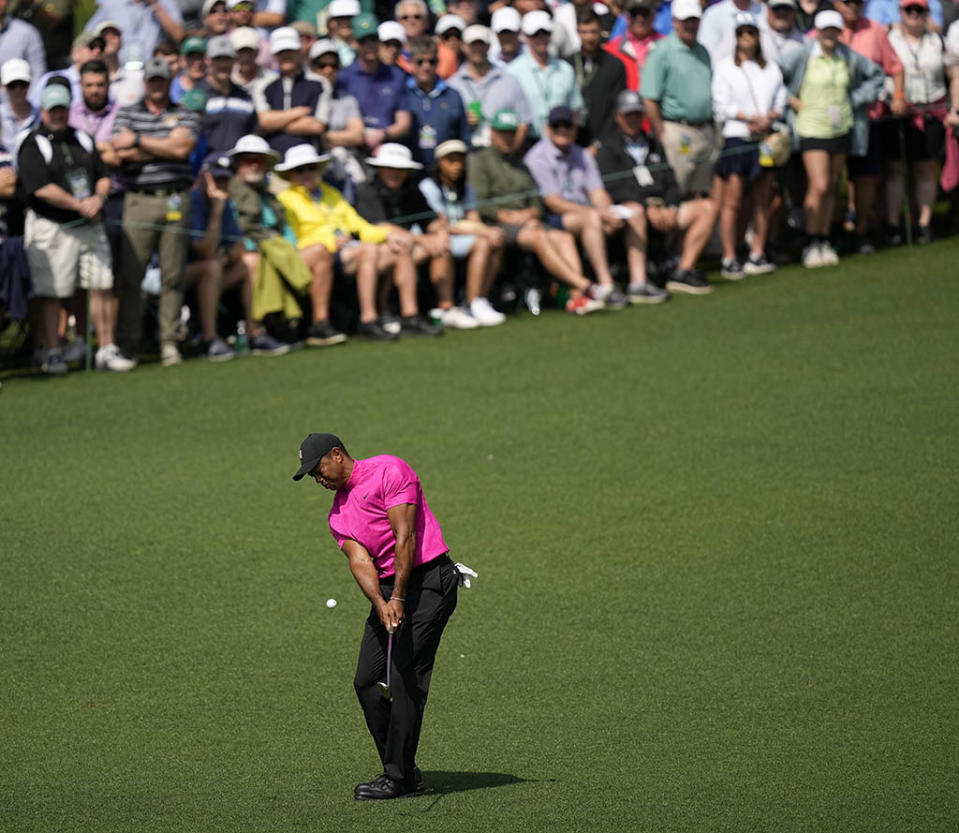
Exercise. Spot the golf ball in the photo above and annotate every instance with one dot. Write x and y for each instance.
(331, 603)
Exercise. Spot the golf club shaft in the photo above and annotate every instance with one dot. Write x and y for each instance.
(389, 657)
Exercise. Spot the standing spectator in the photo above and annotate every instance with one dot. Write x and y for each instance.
(247, 73)
(565, 17)
(748, 96)
(270, 14)
(546, 81)
(307, 32)
(18, 39)
(66, 184)
(379, 89)
(886, 12)
(506, 24)
(145, 24)
(717, 29)
(153, 140)
(215, 261)
(676, 84)
(86, 47)
(449, 34)
(449, 195)
(392, 37)
(486, 89)
(469, 11)
(600, 77)
(436, 110)
(778, 32)
(339, 26)
(575, 199)
(806, 11)
(112, 45)
(830, 88)
(863, 167)
(16, 112)
(414, 16)
(292, 109)
(194, 67)
(634, 45)
(229, 112)
(216, 19)
(932, 92)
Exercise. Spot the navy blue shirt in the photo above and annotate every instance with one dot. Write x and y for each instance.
(379, 95)
(436, 117)
(200, 215)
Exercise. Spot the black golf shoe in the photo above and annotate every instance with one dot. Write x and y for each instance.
(383, 787)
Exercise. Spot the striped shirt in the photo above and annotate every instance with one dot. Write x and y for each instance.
(157, 173)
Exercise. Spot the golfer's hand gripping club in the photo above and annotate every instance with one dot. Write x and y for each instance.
(463, 574)
(392, 614)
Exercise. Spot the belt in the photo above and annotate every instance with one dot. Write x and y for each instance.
(166, 191)
(686, 123)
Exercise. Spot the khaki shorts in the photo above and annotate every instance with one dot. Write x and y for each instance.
(692, 153)
(62, 258)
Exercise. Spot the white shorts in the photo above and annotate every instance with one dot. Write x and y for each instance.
(62, 258)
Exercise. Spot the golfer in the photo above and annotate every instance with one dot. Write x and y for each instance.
(398, 557)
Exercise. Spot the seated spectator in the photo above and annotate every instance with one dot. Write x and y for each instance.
(448, 195)
(19, 39)
(575, 199)
(830, 88)
(392, 37)
(633, 46)
(86, 47)
(331, 232)
(194, 67)
(506, 24)
(153, 140)
(932, 94)
(229, 112)
(507, 196)
(653, 186)
(675, 87)
(547, 81)
(393, 201)
(717, 28)
(486, 89)
(436, 110)
(339, 28)
(599, 75)
(247, 72)
(778, 32)
(216, 20)
(748, 96)
(292, 109)
(379, 89)
(344, 132)
(147, 24)
(16, 112)
(66, 184)
(449, 33)
(215, 261)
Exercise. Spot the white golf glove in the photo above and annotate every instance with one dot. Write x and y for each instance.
(463, 574)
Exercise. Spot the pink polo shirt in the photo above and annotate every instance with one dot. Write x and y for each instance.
(359, 512)
(869, 38)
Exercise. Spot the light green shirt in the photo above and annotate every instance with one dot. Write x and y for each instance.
(547, 88)
(679, 79)
(826, 112)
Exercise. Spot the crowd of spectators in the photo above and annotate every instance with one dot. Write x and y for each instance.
(329, 168)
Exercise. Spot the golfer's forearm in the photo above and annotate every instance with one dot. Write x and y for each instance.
(365, 575)
(403, 564)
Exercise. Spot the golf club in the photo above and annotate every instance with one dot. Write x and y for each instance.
(385, 691)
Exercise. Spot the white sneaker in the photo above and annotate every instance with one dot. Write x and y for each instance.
(457, 318)
(484, 313)
(170, 355)
(75, 351)
(109, 358)
(828, 255)
(812, 256)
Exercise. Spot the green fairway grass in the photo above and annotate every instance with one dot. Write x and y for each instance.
(716, 544)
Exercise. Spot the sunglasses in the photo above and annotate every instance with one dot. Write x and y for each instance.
(747, 30)
(327, 64)
(451, 33)
(640, 13)
(561, 125)
(410, 17)
(426, 62)
(914, 10)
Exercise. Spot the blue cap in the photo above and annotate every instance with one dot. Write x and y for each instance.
(560, 114)
(217, 164)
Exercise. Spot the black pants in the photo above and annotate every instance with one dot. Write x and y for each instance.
(395, 726)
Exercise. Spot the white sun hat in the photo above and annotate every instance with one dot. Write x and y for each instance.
(393, 155)
(300, 156)
(253, 145)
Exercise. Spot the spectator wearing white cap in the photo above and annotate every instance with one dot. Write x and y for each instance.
(778, 32)
(487, 89)
(449, 36)
(293, 109)
(547, 81)
(830, 88)
(16, 112)
(216, 19)
(229, 112)
(392, 37)
(506, 24)
(717, 28)
(248, 72)
(18, 39)
(151, 22)
(339, 28)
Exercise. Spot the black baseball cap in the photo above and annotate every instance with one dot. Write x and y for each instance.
(313, 449)
(560, 115)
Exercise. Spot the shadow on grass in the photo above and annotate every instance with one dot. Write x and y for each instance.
(444, 783)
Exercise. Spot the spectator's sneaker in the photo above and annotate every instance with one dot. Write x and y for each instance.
(323, 334)
(52, 363)
(828, 254)
(390, 323)
(533, 299)
(812, 256)
(583, 305)
(220, 351)
(690, 281)
(864, 245)
(647, 293)
(265, 345)
(482, 310)
(891, 235)
(375, 331)
(923, 235)
(109, 357)
(611, 296)
(417, 325)
(170, 355)
(457, 318)
(75, 351)
(758, 265)
(732, 269)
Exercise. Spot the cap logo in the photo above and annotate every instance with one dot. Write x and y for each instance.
(301, 455)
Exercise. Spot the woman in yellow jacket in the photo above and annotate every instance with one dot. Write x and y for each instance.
(331, 233)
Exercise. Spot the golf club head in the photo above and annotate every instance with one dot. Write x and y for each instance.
(385, 692)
